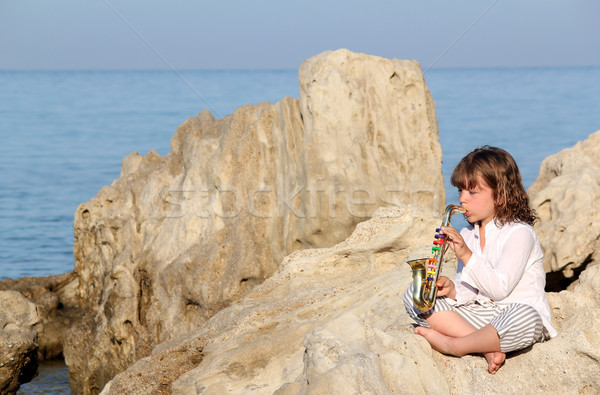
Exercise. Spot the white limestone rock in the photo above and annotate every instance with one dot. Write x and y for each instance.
(57, 306)
(19, 326)
(332, 321)
(566, 197)
(178, 238)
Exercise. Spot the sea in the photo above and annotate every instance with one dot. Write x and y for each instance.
(63, 135)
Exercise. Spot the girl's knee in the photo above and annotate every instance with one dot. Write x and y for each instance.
(518, 326)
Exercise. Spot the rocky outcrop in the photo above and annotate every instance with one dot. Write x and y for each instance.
(565, 196)
(178, 238)
(19, 326)
(332, 321)
(57, 305)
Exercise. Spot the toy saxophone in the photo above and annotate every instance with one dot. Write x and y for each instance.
(426, 271)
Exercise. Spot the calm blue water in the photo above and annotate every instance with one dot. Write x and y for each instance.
(63, 134)
(52, 379)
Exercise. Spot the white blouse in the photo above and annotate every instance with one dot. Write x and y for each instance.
(509, 269)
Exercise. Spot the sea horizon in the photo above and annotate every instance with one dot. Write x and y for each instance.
(175, 70)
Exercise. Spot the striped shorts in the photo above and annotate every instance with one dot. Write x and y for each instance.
(518, 325)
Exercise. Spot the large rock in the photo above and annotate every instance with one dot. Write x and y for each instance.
(19, 326)
(566, 196)
(176, 239)
(332, 321)
(57, 305)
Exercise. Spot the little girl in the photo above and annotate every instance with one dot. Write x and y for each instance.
(496, 303)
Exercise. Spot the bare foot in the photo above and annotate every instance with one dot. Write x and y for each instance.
(438, 341)
(495, 360)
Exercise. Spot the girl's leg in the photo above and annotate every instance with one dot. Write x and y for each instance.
(445, 321)
(480, 341)
(441, 306)
(518, 326)
(449, 323)
(515, 327)
(484, 340)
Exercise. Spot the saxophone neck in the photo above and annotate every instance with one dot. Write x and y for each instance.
(451, 209)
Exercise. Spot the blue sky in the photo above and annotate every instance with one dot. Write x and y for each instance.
(273, 34)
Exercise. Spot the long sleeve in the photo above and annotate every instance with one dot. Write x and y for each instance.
(465, 293)
(509, 269)
(497, 272)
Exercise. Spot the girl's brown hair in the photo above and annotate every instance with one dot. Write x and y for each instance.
(500, 172)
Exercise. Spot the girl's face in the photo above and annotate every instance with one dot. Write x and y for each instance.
(479, 203)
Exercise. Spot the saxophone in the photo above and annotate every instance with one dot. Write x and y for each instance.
(426, 271)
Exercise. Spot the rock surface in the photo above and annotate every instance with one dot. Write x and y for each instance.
(57, 305)
(566, 197)
(19, 326)
(332, 321)
(178, 238)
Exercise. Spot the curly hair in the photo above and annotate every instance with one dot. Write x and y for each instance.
(500, 172)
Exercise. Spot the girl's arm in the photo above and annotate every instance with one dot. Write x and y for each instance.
(462, 292)
(500, 271)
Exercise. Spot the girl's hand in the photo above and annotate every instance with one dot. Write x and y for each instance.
(457, 243)
(446, 287)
